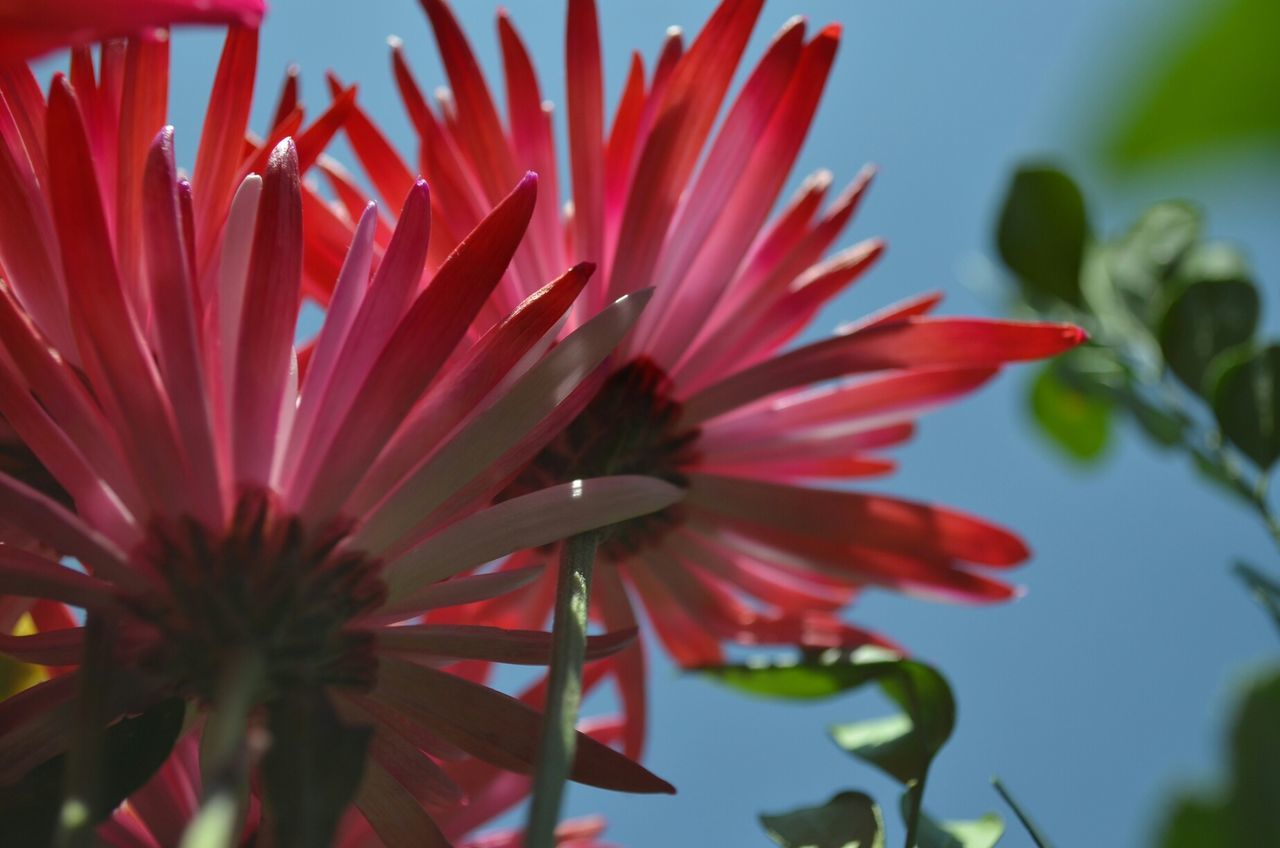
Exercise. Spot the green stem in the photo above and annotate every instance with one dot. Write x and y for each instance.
(1034, 832)
(916, 794)
(82, 796)
(224, 757)
(564, 689)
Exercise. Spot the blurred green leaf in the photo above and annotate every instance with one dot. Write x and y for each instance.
(887, 743)
(1143, 262)
(983, 832)
(849, 820)
(312, 769)
(1042, 232)
(1216, 84)
(1195, 823)
(1220, 477)
(133, 750)
(1076, 422)
(1262, 587)
(1215, 310)
(1248, 815)
(1246, 401)
(1166, 428)
(1255, 748)
(809, 677)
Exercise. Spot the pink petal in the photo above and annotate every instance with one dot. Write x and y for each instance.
(584, 80)
(499, 728)
(483, 140)
(528, 521)
(142, 115)
(30, 29)
(120, 369)
(909, 343)
(268, 319)
(30, 575)
(218, 159)
(683, 121)
(500, 428)
(463, 590)
(857, 518)
(394, 813)
(178, 326)
(491, 644)
(412, 358)
(51, 523)
(490, 361)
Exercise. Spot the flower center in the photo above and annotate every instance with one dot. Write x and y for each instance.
(262, 588)
(631, 426)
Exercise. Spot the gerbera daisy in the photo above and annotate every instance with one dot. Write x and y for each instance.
(242, 546)
(705, 392)
(125, 99)
(29, 28)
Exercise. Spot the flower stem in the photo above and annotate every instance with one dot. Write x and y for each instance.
(564, 689)
(225, 756)
(916, 800)
(82, 798)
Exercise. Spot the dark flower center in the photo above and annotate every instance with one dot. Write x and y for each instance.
(261, 588)
(631, 426)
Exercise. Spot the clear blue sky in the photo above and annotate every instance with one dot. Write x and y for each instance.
(1104, 687)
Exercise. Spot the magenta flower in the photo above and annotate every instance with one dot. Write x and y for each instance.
(705, 392)
(29, 28)
(240, 505)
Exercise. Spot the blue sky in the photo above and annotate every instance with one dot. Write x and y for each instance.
(1104, 687)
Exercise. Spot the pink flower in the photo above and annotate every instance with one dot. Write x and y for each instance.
(705, 391)
(29, 28)
(235, 498)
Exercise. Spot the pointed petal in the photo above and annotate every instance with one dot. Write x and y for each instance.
(911, 343)
(268, 318)
(499, 728)
(528, 521)
(499, 428)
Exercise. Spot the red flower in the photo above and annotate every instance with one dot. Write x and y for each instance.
(29, 28)
(232, 496)
(705, 392)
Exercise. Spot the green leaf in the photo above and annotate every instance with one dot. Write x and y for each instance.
(1216, 84)
(1246, 401)
(1214, 473)
(849, 820)
(1042, 232)
(133, 750)
(1247, 814)
(884, 742)
(1195, 823)
(1145, 260)
(1216, 310)
(1255, 748)
(903, 745)
(982, 832)
(312, 769)
(1262, 587)
(1166, 427)
(1077, 422)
